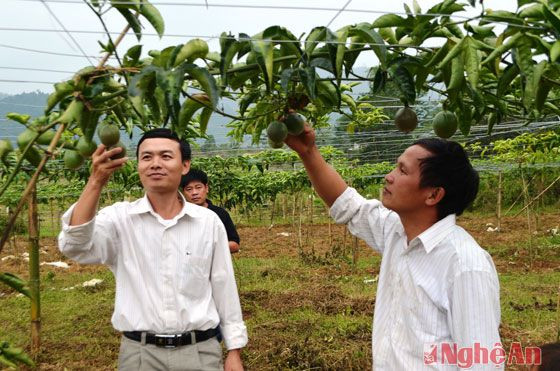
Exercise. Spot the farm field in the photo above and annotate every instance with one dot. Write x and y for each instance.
(308, 308)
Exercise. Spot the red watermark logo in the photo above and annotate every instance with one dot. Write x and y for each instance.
(466, 357)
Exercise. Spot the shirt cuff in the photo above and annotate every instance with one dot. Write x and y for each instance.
(77, 234)
(346, 205)
(235, 335)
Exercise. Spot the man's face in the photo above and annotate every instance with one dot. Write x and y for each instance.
(196, 192)
(402, 192)
(160, 166)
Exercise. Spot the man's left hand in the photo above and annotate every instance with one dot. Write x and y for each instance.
(233, 361)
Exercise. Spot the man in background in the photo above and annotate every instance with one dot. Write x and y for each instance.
(195, 188)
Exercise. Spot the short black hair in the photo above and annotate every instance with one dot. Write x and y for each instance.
(194, 175)
(184, 147)
(448, 167)
(550, 357)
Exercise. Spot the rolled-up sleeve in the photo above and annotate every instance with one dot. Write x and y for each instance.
(224, 292)
(89, 243)
(366, 219)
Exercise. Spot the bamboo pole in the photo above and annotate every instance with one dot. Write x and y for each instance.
(48, 154)
(499, 202)
(558, 317)
(526, 196)
(354, 253)
(34, 281)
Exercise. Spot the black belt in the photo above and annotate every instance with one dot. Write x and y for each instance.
(173, 341)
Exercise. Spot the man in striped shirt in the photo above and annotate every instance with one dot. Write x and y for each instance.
(438, 290)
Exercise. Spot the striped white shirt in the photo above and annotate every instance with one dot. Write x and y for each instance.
(441, 287)
(172, 276)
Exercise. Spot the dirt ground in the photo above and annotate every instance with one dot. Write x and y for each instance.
(319, 244)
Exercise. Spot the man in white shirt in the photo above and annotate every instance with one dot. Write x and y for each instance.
(437, 287)
(175, 286)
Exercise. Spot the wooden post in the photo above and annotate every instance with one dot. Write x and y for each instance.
(499, 202)
(528, 209)
(354, 252)
(34, 272)
(300, 247)
(330, 226)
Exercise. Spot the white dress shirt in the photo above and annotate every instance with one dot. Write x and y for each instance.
(440, 287)
(172, 276)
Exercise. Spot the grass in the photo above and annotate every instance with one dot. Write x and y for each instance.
(303, 311)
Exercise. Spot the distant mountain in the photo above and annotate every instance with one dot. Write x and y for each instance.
(32, 104)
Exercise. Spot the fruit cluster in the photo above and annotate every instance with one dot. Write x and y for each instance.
(277, 131)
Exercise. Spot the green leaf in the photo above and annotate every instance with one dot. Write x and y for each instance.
(504, 81)
(523, 57)
(532, 84)
(285, 78)
(307, 76)
(439, 55)
(555, 51)
(510, 43)
(316, 36)
(472, 61)
(188, 109)
(206, 81)
(204, 119)
(22, 119)
(542, 93)
(405, 83)
(389, 20)
(455, 50)
(416, 7)
(125, 4)
(153, 16)
(229, 47)
(457, 73)
(265, 59)
(375, 41)
(132, 20)
(533, 11)
(284, 35)
(379, 80)
(552, 17)
(341, 37)
(322, 63)
(132, 56)
(500, 16)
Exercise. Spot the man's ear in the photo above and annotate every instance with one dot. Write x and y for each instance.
(186, 166)
(435, 196)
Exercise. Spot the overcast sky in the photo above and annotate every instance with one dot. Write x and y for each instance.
(190, 18)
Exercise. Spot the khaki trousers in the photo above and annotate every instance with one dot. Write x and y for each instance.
(206, 355)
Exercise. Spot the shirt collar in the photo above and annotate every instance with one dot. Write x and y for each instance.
(143, 205)
(432, 236)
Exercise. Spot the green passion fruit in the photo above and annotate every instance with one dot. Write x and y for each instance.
(85, 147)
(277, 131)
(109, 134)
(406, 119)
(295, 123)
(121, 154)
(445, 124)
(273, 144)
(72, 159)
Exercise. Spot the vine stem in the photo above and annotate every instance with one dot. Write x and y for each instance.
(48, 154)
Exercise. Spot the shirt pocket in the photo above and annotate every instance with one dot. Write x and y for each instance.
(196, 277)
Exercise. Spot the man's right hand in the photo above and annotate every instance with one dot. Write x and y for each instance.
(328, 184)
(304, 143)
(101, 170)
(103, 166)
